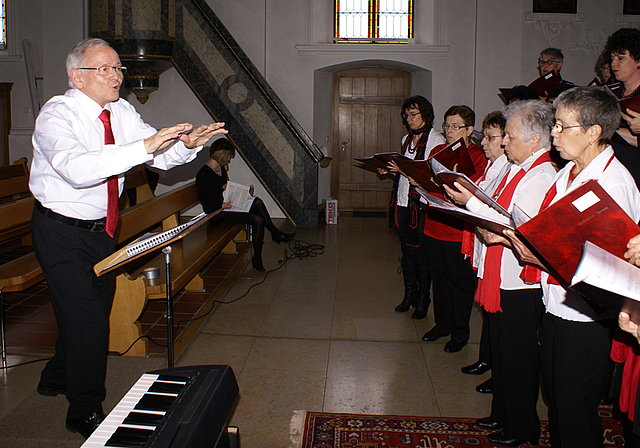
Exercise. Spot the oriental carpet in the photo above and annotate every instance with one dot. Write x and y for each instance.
(329, 430)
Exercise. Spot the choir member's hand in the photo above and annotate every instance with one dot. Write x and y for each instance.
(633, 252)
(489, 238)
(522, 251)
(460, 196)
(624, 321)
(226, 205)
(393, 167)
(382, 171)
(633, 118)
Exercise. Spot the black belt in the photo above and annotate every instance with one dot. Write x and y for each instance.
(94, 226)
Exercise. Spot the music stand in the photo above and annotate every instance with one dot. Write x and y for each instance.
(147, 244)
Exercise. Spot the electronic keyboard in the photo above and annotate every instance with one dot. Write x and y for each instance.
(182, 407)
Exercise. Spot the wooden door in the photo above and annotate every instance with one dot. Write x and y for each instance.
(367, 103)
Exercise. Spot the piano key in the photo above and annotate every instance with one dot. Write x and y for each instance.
(162, 387)
(152, 402)
(128, 437)
(142, 418)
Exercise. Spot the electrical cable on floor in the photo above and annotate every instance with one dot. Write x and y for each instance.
(299, 250)
(25, 363)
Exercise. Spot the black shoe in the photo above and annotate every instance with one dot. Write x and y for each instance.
(281, 236)
(486, 387)
(421, 310)
(488, 423)
(477, 368)
(500, 439)
(454, 346)
(51, 391)
(433, 335)
(410, 293)
(257, 264)
(85, 425)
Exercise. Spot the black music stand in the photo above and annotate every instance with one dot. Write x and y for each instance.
(162, 241)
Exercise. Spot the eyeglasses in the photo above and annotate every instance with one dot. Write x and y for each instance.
(559, 127)
(412, 115)
(107, 69)
(490, 138)
(454, 127)
(548, 62)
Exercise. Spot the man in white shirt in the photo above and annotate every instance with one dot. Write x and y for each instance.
(83, 142)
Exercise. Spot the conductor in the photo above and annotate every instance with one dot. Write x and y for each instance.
(83, 142)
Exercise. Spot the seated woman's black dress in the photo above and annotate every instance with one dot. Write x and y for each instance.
(210, 192)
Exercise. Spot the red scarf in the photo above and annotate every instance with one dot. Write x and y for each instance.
(488, 290)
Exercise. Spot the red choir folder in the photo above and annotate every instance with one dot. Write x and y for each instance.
(380, 160)
(419, 171)
(595, 82)
(545, 83)
(456, 155)
(632, 103)
(495, 225)
(588, 213)
(504, 95)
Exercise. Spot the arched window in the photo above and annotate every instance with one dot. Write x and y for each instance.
(373, 21)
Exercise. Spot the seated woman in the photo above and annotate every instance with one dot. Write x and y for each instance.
(211, 181)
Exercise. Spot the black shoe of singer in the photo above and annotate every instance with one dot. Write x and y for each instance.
(500, 439)
(477, 368)
(488, 423)
(486, 387)
(85, 425)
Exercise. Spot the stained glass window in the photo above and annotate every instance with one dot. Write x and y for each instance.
(3, 25)
(371, 21)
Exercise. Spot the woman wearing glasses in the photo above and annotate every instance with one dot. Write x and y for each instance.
(405, 213)
(623, 47)
(575, 340)
(453, 278)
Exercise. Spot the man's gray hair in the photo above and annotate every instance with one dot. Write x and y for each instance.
(536, 117)
(75, 58)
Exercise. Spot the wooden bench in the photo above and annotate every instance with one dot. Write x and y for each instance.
(16, 202)
(188, 258)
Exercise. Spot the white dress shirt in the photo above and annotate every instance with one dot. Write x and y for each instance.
(619, 184)
(434, 139)
(528, 195)
(71, 163)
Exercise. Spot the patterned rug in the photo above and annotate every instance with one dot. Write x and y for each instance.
(327, 430)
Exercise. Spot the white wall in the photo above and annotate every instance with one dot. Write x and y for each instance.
(289, 41)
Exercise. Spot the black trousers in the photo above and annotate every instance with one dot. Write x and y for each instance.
(454, 285)
(81, 303)
(515, 362)
(575, 376)
(484, 352)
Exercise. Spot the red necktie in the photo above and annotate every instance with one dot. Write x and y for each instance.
(112, 182)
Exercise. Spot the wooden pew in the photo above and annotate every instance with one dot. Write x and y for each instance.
(16, 202)
(189, 256)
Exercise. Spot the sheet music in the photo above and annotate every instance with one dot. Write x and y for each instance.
(606, 271)
(239, 197)
(449, 177)
(153, 239)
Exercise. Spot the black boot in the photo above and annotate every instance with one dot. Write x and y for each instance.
(410, 275)
(424, 299)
